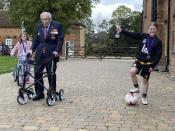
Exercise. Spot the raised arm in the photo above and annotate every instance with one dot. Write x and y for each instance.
(133, 35)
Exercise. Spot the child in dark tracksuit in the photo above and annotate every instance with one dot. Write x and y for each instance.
(148, 55)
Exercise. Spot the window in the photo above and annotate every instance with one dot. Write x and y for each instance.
(9, 43)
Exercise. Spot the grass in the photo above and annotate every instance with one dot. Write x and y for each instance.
(7, 64)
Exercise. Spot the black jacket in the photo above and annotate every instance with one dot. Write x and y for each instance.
(149, 49)
(53, 41)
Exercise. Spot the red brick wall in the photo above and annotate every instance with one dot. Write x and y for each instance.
(12, 33)
(76, 34)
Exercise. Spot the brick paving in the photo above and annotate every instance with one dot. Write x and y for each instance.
(94, 101)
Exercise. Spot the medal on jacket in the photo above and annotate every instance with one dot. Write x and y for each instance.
(53, 33)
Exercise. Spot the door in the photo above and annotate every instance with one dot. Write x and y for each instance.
(70, 47)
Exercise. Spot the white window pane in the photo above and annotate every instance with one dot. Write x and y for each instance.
(9, 43)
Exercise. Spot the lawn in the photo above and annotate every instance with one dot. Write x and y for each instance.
(7, 63)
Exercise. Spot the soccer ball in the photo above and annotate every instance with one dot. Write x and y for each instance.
(131, 98)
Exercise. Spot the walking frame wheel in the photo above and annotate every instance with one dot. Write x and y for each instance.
(50, 100)
(61, 95)
(22, 98)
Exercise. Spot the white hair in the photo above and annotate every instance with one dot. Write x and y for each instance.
(48, 14)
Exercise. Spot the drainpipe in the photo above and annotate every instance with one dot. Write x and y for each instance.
(168, 36)
(154, 11)
(141, 27)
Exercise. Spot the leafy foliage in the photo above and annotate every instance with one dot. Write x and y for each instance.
(104, 36)
(64, 11)
(127, 19)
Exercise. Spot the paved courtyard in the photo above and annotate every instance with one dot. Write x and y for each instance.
(94, 101)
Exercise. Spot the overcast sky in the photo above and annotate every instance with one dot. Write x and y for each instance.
(104, 9)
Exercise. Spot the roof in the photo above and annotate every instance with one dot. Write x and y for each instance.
(5, 21)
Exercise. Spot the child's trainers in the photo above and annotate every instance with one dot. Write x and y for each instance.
(144, 101)
(134, 90)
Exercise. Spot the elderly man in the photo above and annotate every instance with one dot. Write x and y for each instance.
(48, 40)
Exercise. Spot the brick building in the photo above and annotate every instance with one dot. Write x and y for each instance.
(162, 12)
(9, 34)
(75, 40)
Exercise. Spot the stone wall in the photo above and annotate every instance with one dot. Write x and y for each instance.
(172, 39)
(162, 20)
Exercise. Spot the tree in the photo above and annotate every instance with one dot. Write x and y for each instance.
(103, 26)
(1, 4)
(4, 4)
(89, 25)
(89, 32)
(136, 21)
(127, 19)
(122, 16)
(65, 11)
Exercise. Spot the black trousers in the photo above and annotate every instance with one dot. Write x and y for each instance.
(38, 74)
